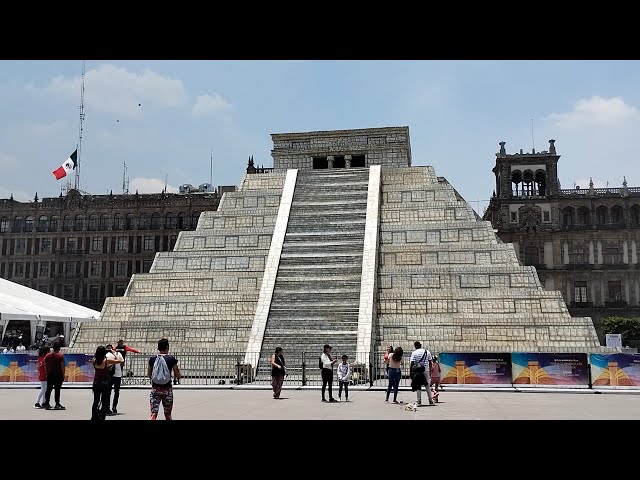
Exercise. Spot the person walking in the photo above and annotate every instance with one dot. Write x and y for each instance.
(327, 362)
(54, 364)
(115, 377)
(421, 360)
(278, 371)
(344, 376)
(101, 382)
(161, 366)
(435, 374)
(42, 377)
(395, 373)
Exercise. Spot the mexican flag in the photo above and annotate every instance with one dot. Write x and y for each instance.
(68, 166)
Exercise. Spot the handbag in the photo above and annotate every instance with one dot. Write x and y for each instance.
(417, 367)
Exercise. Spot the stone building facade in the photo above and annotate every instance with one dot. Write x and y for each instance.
(583, 241)
(85, 248)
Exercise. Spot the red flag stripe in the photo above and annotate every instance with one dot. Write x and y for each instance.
(59, 173)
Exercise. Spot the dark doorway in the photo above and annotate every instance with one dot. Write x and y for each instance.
(357, 161)
(338, 162)
(320, 162)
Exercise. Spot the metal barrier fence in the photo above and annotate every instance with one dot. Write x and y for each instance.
(230, 369)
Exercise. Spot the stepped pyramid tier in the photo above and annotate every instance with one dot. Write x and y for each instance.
(342, 242)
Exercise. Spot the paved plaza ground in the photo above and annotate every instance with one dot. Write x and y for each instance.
(247, 403)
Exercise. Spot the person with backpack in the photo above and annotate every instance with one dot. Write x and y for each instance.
(160, 368)
(326, 363)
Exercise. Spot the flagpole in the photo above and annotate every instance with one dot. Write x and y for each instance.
(77, 179)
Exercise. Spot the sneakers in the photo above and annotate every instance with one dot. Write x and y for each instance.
(346, 399)
(324, 399)
(48, 407)
(419, 403)
(333, 400)
(37, 405)
(396, 402)
(109, 412)
(115, 411)
(58, 407)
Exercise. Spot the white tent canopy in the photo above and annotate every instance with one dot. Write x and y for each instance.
(18, 302)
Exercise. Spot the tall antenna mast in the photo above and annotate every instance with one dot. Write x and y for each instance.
(211, 168)
(125, 180)
(77, 179)
(533, 143)
(166, 177)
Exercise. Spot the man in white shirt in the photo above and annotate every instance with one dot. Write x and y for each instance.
(116, 377)
(424, 358)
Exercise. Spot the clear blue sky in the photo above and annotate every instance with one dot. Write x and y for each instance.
(163, 118)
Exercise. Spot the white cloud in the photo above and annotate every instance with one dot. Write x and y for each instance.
(18, 195)
(115, 90)
(150, 185)
(209, 104)
(595, 111)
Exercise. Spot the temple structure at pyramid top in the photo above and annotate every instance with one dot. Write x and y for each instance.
(344, 242)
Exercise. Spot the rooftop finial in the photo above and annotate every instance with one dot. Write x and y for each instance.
(552, 147)
(624, 181)
(35, 199)
(590, 182)
(503, 151)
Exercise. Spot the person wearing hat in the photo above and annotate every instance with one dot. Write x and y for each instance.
(327, 372)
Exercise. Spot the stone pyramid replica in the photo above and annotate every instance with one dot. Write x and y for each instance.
(341, 242)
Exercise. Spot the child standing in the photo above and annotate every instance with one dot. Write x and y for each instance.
(344, 374)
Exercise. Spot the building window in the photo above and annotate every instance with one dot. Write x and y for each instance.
(96, 244)
(71, 245)
(155, 221)
(20, 246)
(514, 217)
(118, 222)
(69, 291)
(18, 225)
(69, 269)
(617, 214)
(79, 223)
(583, 216)
(43, 223)
(44, 269)
(612, 256)
(546, 217)
(53, 225)
(4, 225)
(104, 222)
(601, 215)
(578, 256)
(67, 223)
(580, 292)
(19, 271)
(123, 244)
(182, 220)
(172, 241)
(171, 221)
(615, 291)
(95, 269)
(145, 221)
(146, 265)
(45, 245)
(28, 224)
(94, 292)
(194, 219)
(148, 242)
(93, 223)
(531, 256)
(119, 290)
(121, 268)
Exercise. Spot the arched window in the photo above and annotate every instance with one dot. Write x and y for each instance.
(4, 225)
(93, 222)
(541, 183)
(583, 216)
(67, 223)
(145, 221)
(104, 222)
(155, 221)
(635, 215)
(567, 216)
(527, 183)
(18, 224)
(516, 180)
(531, 256)
(130, 222)
(194, 219)
(601, 215)
(617, 215)
(43, 223)
(79, 223)
(28, 224)
(171, 221)
(118, 222)
(53, 224)
(182, 220)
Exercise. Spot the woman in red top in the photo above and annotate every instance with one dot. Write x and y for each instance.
(42, 377)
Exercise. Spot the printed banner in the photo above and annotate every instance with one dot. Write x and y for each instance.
(18, 368)
(615, 370)
(549, 369)
(475, 368)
